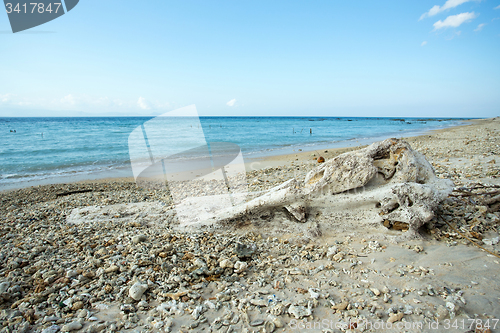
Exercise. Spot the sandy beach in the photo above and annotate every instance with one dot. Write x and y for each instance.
(117, 264)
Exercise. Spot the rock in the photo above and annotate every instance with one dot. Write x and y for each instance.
(197, 312)
(111, 269)
(441, 313)
(338, 257)
(375, 291)
(341, 306)
(332, 250)
(139, 238)
(244, 251)
(452, 308)
(277, 321)
(51, 329)
(4, 286)
(82, 313)
(77, 306)
(226, 263)
(313, 293)
(492, 241)
(393, 317)
(71, 273)
(321, 159)
(73, 326)
(256, 322)
(50, 318)
(299, 311)
(240, 266)
(137, 290)
(298, 210)
(269, 327)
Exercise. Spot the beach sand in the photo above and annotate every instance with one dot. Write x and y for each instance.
(85, 276)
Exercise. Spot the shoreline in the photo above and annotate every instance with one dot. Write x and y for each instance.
(251, 163)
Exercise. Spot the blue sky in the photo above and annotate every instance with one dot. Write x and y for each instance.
(325, 58)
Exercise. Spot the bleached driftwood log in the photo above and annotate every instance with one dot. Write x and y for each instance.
(399, 180)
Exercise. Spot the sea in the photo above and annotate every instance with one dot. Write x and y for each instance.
(36, 151)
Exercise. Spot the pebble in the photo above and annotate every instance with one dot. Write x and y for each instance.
(139, 238)
(393, 317)
(240, 266)
(256, 322)
(226, 263)
(137, 290)
(51, 329)
(244, 250)
(299, 311)
(4, 286)
(73, 326)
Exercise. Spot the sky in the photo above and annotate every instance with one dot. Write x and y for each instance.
(436, 58)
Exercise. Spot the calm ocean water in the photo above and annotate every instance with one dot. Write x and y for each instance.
(44, 150)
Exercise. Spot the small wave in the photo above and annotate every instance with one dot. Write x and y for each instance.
(10, 175)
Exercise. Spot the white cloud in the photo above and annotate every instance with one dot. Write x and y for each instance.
(447, 5)
(231, 102)
(480, 27)
(497, 7)
(454, 20)
(68, 100)
(5, 98)
(143, 103)
(423, 43)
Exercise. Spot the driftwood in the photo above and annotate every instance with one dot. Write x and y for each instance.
(399, 182)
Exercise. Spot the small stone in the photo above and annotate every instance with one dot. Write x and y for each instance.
(332, 250)
(142, 304)
(393, 317)
(256, 322)
(341, 306)
(338, 257)
(244, 251)
(137, 290)
(51, 329)
(73, 326)
(50, 318)
(240, 266)
(441, 313)
(321, 159)
(111, 269)
(226, 263)
(313, 293)
(298, 311)
(375, 291)
(277, 321)
(269, 327)
(77, 306)
(71, 273)
(82, 313)
(4, 286)
(139, 238)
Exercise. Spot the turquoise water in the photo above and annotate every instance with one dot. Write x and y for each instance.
(50, 148)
